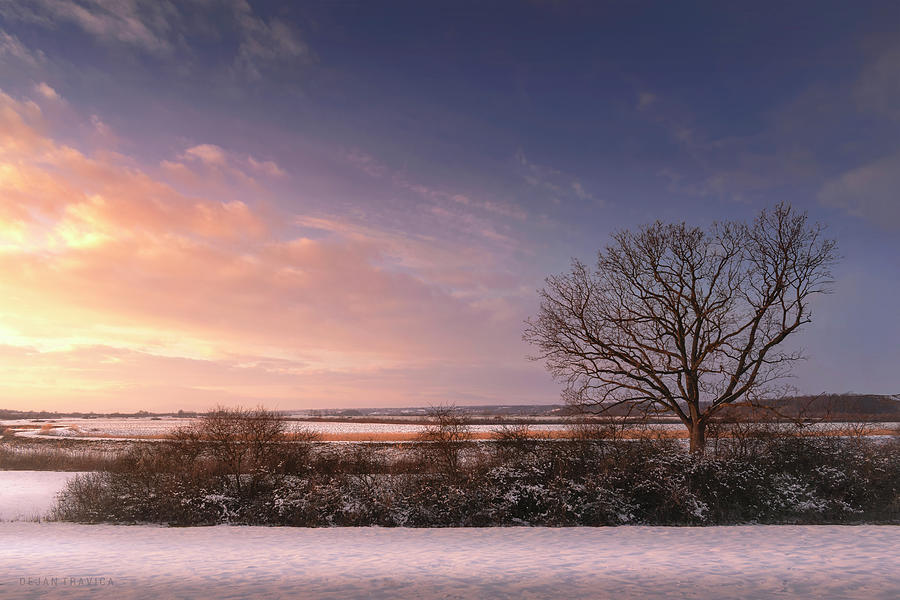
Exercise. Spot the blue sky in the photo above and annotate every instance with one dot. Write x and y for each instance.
(430, 163)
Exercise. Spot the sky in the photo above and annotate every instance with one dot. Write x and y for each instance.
(347, 204)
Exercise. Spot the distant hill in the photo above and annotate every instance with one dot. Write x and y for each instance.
(10, 415)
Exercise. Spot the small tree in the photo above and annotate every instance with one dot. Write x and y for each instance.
(239, 441)
(680, 320)
(445, 429)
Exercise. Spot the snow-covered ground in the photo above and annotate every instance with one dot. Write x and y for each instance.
(28, 495)
(623, 562)
(65, 560)
(138, 428)
(147, 427)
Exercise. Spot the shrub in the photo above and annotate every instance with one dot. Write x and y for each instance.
(445, 429)
(525, 482)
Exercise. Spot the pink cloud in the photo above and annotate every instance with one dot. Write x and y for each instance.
(46, 91)
(267, 167)
(112, 273)
(209, 154)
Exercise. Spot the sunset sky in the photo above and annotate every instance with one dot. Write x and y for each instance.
(353, 203)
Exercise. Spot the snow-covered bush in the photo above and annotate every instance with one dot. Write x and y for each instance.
(796, 480)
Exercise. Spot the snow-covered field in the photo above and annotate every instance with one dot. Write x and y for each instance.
(27, 495)
(64, 560)
(150, 428)
(624, 562)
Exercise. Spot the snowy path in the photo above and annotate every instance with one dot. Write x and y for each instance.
(624, 562)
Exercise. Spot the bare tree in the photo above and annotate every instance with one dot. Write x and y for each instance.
(242, 442)
(680, 320)
(445, 429)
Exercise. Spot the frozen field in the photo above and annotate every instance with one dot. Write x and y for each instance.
(149, 428)
(63, 560)
(624, 562)
(139, 428)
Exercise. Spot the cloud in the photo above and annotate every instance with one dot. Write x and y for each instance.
(871, 191)
(645, 100)
(539, 172)
(93, 197)
(111, 274)
(784, 150)
(366, 163)
(267, 167)
(549, 179)
(209, 154)
(169, 30)
(878, 88)
(216, 160)
(46, 91)
(107, 378)
(101, 128)
(468, 212)
(580, 191)
(468, 215)
(140, 23)
(266, 43)
(466, 268)
(11, 47)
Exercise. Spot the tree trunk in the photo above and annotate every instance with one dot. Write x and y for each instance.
(698, 437)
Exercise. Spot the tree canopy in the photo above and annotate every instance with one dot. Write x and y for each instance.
(682, 320)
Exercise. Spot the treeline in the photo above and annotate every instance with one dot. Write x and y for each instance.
(823, 407)
(11, 415)
(244, 468)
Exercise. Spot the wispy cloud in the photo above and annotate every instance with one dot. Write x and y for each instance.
(367, 163)
(553, 181)
(103, 257)
(645, 100)
(167, 29)
(46, 91)
(871, 191)
(878, 88)
(746, 167)
(143, 24)
(580, 192)
(12, 48)
(267, 167)
(467, 211)
(266, 43)
(208, 154)
(537, 174)
(214, 158)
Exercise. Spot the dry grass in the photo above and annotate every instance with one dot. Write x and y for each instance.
(54, 459)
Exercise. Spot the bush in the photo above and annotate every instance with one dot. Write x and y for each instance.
(446, 429)
(516, 481)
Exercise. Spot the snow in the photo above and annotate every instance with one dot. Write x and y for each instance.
(155, 427)
(142, 428)
(66, 560)
(27, 495)
(622, 562)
